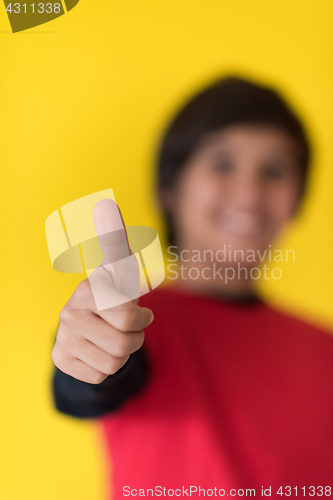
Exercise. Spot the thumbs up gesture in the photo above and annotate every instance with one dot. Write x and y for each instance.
(102, 324)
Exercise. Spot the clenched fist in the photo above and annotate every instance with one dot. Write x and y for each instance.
(94, 341)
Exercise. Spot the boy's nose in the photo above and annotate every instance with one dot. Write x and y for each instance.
(246, 193)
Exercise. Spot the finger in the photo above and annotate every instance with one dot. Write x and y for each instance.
(106, 337)
(81, 371)
(119, 262)
(111, 232)
(114, 285)
(98, 359)
(127, 318)
(112, 341)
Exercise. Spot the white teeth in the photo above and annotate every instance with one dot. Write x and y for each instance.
(241, 223)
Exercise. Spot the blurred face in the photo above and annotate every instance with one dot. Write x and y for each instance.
(239, 188)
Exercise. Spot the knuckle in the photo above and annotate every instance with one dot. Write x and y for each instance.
(55, 356)
(107, 366)
(118, 363)
(140, 340)
(122, 347)
(97, 378)
(126, 320)
(58, 356)
(73, 316)
(83, 294)
(67, 315)
(62, 337)
(111, 366)
(83, 288)
(137, 341)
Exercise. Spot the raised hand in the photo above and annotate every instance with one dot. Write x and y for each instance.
(101, 324)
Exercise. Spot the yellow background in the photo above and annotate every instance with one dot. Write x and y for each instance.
(83, 99)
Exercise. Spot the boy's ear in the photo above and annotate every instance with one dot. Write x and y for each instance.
(300, 201)
(165, 200)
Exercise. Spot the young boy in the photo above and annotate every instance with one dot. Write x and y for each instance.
(226, 396)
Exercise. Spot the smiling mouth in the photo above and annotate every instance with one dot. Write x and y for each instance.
(242, 224)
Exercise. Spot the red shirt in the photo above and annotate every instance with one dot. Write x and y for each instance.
(240, 396)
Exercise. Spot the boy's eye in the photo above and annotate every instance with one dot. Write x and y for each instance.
(222, 164)
(274, 171)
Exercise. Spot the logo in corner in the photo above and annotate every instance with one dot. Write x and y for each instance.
(26, 15)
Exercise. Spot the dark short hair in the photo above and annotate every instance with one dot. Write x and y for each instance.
(228, 101)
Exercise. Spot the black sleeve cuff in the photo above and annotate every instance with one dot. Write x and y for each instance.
(83, 400)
